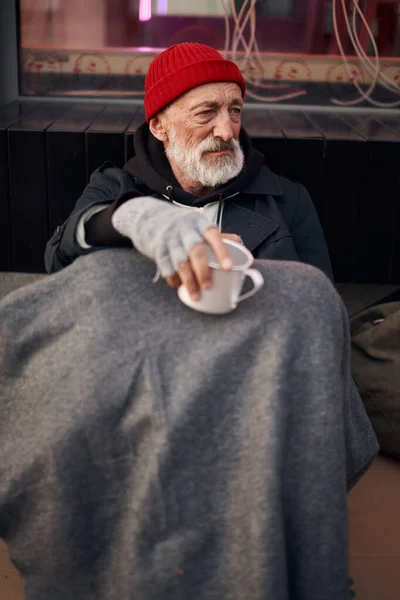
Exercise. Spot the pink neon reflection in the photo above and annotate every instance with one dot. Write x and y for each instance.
(144, 10)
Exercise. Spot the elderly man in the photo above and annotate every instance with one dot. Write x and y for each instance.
(193, 152)
(150, 451)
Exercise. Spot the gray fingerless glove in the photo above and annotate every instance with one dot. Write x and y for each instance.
(161, 231)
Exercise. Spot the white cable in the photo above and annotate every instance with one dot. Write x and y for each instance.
(366, 61)
(374, 72)
(253, 58)
(239, 29)
(387, 83)
(363, 95)
(227, 29)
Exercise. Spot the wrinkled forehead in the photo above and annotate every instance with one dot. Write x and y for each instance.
(219, 94)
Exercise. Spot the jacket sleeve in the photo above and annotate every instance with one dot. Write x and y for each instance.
(106, 185)
(307, 235)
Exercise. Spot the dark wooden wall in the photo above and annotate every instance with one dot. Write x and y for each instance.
(349, 163)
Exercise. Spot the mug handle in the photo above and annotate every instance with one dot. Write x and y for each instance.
(258, 282)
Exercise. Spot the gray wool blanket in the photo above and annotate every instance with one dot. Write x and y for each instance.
(149, 452)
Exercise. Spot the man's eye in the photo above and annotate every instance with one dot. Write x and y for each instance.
(206, 112)
(237, 111)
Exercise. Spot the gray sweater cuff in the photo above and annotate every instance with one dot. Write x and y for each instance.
(161, 231)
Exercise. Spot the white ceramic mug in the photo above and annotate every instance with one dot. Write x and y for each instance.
(224, 295)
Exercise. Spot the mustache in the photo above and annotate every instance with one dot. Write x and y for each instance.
(217, 145)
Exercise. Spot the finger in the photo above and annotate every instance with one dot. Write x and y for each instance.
(198, 257)
(174, 281)
(188, 279)
(221, 251)
(233, 237)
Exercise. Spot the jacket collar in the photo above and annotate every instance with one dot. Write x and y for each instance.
(266, 182)
(253, 227)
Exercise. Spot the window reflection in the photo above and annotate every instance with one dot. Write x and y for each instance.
(286, 48)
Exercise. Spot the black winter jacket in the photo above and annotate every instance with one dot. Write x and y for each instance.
(274, 216)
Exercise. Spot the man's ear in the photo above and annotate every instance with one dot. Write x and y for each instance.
(157, 128)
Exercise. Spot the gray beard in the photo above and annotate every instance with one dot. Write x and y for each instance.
(195, 164)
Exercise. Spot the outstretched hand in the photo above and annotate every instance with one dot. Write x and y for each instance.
(195, 273)
(175, 239)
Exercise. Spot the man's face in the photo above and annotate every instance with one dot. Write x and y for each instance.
(202, 133)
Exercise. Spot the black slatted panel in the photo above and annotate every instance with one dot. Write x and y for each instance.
(138, 119)
(105, 139)
(393, 125)
(305, 152)
(379, 200)
(28, 186)
(8, 115)
(344, 164)
(66, 160)
(267, 137)
(349, 164)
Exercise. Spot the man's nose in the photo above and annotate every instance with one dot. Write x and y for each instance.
(224, 127)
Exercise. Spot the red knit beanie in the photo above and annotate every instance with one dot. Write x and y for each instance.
(182, 68)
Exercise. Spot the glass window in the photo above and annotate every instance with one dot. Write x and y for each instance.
(326, 52)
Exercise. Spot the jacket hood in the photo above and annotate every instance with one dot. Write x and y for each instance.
(150, 165)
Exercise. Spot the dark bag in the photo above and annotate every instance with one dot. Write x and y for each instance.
(375, 355)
